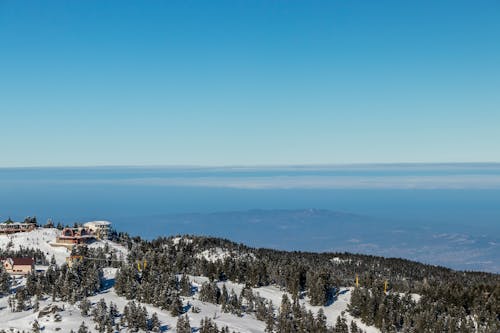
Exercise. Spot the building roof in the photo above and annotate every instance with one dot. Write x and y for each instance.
(21, 261)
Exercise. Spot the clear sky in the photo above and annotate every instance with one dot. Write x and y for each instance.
(248, 82)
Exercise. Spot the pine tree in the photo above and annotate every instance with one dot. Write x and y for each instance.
(183, 325)
(85, 307)
(224, 297)
(269, 318)
(208, 326)
(341, 325)
(176, 307)
(36, 327)
(185, 286)
(143, 318)
(320, 321)
(235, 303)
(4, 281)
(354, 327)
(20, 298)
(154, 323)
(100, 314)
(83, 328)
(36, 304)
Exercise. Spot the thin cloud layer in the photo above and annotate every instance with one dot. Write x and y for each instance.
(303, 182)
(460, 176)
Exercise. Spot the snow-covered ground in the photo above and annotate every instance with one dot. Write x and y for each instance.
(337, 260)
(177, 240)
(38, 239)
(120, 251)
(41, 238)
(221, 254)
(332, 311)
(215, 254)
(71, 318)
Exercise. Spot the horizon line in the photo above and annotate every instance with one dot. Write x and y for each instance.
(257, 166)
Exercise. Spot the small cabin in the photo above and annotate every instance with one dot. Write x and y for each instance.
(18, 266)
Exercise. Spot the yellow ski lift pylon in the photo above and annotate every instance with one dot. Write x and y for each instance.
(141, 265)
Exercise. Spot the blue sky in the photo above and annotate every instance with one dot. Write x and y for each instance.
(248, 82)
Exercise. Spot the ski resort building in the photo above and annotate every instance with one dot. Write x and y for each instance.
(74, 236)
(18, 266)
(10, 227)
(100, 229)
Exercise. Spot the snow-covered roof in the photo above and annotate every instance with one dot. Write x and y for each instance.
(97, 223)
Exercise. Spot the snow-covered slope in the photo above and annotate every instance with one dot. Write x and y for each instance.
(38, 239)
(69, 317)
(41, 238)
